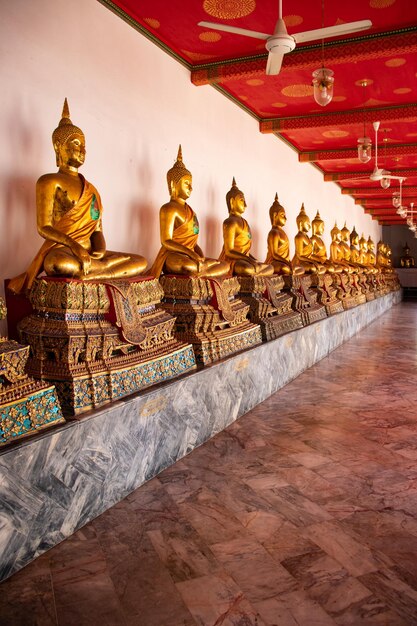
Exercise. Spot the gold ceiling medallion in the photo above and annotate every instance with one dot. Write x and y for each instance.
(229, 9)
(297, 91)
(381, 4)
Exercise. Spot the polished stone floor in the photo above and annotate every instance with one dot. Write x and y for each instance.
(302, 513)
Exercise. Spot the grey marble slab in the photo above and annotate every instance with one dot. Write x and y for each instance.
(56, 482)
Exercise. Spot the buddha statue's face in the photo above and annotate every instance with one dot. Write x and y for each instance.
(370, 246)
(279, 218)
(345, 235)
(304, 224)
(354, 240)
(336, 235)
(182, 190)
(72, 152)
(318, 227)
(238, 204)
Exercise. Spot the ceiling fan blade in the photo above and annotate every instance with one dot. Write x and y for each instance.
(273, 65)
(332, 31)
(234, 30)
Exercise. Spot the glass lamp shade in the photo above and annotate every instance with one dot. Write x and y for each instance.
(413, 227)
(409, 222)
(364, 149)
(323, 86)
(396, 199)
(385, 182)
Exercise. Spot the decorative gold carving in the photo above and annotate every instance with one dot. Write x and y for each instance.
(229, 10)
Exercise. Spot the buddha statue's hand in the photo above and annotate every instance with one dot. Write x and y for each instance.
(83, 256)
(98, 254)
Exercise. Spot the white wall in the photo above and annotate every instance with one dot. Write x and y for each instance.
(135, 105)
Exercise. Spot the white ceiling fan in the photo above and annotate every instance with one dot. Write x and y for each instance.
(280, 42)
(378, 173)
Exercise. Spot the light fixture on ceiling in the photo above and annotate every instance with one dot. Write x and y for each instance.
(364, 143)
(396, 200)
(401, 210)
(323, 78)
(410, 221)
(385, 180)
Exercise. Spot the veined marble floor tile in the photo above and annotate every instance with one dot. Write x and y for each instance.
(301, 513)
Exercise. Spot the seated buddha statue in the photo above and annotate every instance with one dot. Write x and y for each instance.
(407, 260)
(278, 244)
(69, 213)
(337, 252)
(363, 252)
(345, 247)
(304, 248)
(354, 251)
(319, 248)
(237, 239)
(179, 228)
(371, 261)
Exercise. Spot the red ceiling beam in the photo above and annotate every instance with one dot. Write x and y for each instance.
(339, 119)
(350, 52)
(336, 176)
(392, 150)
(408, 190)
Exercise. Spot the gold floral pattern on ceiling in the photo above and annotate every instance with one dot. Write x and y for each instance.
(152, 22)
(198, 56)
(210, 37)
(397, 62)
(381, 4)
(300, 90)
(293, 20)
(254, 82)
(335, 133)
(229, 9)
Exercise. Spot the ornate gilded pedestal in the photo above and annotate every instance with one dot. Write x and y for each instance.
(305, 298)
(327, 293)
(98, 342)
(26, 405)
(344, 290)
(356, 289)
(209, 315)
(269, 306)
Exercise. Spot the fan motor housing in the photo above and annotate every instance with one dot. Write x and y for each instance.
(281, 43)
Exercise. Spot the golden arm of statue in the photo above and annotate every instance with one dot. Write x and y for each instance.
(47, 188)
(169, 218)
(231, 228)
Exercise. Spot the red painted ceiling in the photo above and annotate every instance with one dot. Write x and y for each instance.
(385, 56)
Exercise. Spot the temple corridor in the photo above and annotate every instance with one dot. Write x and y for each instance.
(301, 513)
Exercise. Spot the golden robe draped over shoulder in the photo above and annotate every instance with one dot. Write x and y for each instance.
(185, 234)
(243, 243)
(79, 223)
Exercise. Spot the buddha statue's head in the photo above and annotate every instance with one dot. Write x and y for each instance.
(303, 221)
(317, 225)
(277, 213)
(354, 237)
(336, 233)
(68, 141)
(345, 232)
(235, 200)
(179, 179)
(363, 244)
(380, 247)
(370, 244)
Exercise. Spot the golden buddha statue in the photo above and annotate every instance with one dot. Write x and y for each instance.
(278, 244)
(237, 239)
(363, 251)
(371, 260)
(304, 247)
(345, 246)
(319, 248)
(407, 260)
(337, 252)
(179, 229)
(354, 251)
(69, 214)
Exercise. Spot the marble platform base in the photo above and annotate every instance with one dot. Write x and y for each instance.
(56, 482)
